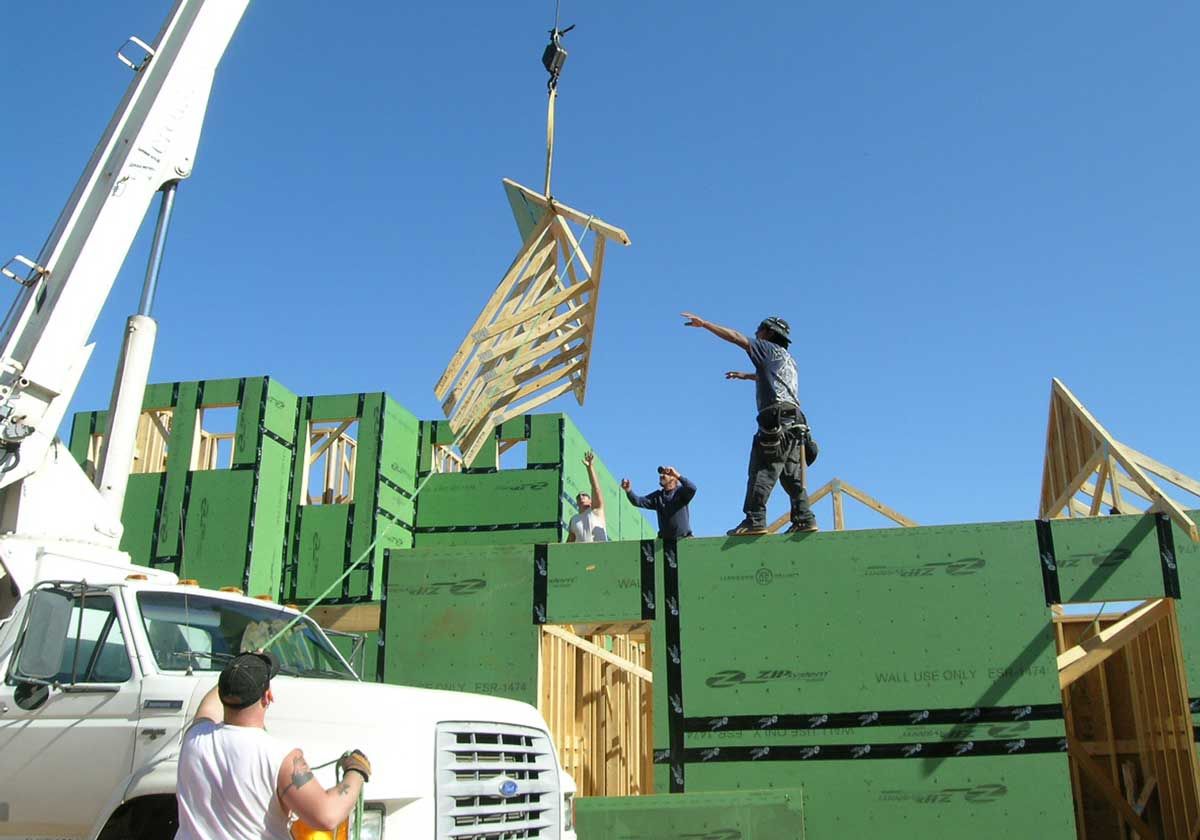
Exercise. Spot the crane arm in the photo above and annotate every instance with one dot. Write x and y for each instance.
(150, 142)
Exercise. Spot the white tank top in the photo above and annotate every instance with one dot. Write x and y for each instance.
(226, 784)
(589, 526)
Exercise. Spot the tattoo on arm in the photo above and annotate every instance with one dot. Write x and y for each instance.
(301, 774)
(343, 788)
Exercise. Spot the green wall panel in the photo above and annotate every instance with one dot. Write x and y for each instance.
(138, 515)
(322, 557)
(1107, 558)
(853, 601)
(594, 582)
(740, 815)
(218, 514)
(499, 498)
(270, 519)
(158, 395)
(461, 619)
(222, 391)
(544, 446)
(334, 407)
(280, 415)
(249, 418)
(1000, 798)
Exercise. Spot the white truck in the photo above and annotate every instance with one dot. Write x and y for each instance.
(103, 663)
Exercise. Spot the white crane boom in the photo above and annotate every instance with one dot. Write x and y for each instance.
(150, 143)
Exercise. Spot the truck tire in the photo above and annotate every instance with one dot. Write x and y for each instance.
(145, 818)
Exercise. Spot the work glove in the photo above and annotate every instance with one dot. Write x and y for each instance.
(356, 761)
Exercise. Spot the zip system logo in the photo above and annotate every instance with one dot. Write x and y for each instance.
(953, 568)
(466, 586)
(981, 794)
(732, 678)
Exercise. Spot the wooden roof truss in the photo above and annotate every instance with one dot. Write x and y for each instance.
(838, 489)
(532, 342)
(1088, 472)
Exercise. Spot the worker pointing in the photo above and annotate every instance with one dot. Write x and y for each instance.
(777, 452)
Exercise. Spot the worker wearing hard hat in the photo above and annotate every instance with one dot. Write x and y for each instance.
(782, 445)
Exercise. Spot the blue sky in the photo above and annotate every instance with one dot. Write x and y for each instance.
(951, 203)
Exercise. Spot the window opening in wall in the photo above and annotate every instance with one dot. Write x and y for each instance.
(332, 453)
(446, 459)
(217, 429)
(512, 454)
(149, 448)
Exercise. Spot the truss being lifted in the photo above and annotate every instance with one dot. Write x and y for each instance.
(1088, 472)
(532, 342)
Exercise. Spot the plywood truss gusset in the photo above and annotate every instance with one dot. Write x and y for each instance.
(1088, 472)
(839, 489)
(533, 340)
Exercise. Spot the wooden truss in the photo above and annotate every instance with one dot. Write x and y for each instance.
(1088, 472)
(532, 342)
(838, 489)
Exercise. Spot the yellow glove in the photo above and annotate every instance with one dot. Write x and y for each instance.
(356, 761)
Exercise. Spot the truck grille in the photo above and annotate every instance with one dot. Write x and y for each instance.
(475, 761)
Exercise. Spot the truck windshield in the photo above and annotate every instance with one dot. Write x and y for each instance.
(204, 633)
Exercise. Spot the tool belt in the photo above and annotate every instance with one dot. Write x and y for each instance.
(780, 427)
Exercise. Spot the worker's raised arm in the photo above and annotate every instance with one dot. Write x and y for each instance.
(597, 497)
(726, 333)
(210, 708)
(634, 498)
(321, 809)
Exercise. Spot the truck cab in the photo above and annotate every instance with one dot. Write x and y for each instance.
(102, 676)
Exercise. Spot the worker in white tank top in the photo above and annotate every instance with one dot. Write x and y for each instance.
(588, 525)
(236, 782)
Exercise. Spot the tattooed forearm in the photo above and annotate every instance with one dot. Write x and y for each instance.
(343, 788)
(301, 774)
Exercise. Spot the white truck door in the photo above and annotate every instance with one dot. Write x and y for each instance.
(66, 747)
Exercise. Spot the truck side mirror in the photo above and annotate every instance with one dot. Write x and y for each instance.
(45, 636)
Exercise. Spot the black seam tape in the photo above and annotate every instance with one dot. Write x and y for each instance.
(1048, 562)
(842, 720)
(468, 529)
(381, 644)
(1167, 556)
(393, 518)
(282, 441)
(528, 426)
(860, 752)
(384, 480)
(541, 582)
(675, 719)
(649, 593)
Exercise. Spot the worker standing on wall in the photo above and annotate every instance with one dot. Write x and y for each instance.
(588, 525)
(236, 782)
(669, 501)
(778, 450)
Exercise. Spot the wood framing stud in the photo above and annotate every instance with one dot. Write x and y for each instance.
(1085, 470)
(532, 341)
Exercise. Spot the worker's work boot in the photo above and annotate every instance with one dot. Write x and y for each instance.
(806, 528)
(746, 528)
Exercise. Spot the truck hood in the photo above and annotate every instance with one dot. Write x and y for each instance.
(395, 726)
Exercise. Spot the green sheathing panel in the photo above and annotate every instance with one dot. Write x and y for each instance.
(994, 798)
(468, 501)
(1107, 558)
(459, 618)
(736, 815)
(624, 521)
(81, 433)
(265, 572)
(215, 532)
(594, 582)
(176, 495)
(323, 545)
(138, 515)
(908, 621)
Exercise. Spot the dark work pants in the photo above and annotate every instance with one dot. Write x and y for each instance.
(787, 469)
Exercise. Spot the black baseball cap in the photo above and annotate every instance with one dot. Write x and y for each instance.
(246, 679)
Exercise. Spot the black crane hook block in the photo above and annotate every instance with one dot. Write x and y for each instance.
(554, 56)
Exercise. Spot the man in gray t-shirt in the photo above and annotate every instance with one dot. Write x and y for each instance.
(777, 452)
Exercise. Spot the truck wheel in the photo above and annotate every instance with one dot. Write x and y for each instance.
(145, 818)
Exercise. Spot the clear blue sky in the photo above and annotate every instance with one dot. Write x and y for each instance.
(951, 203)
